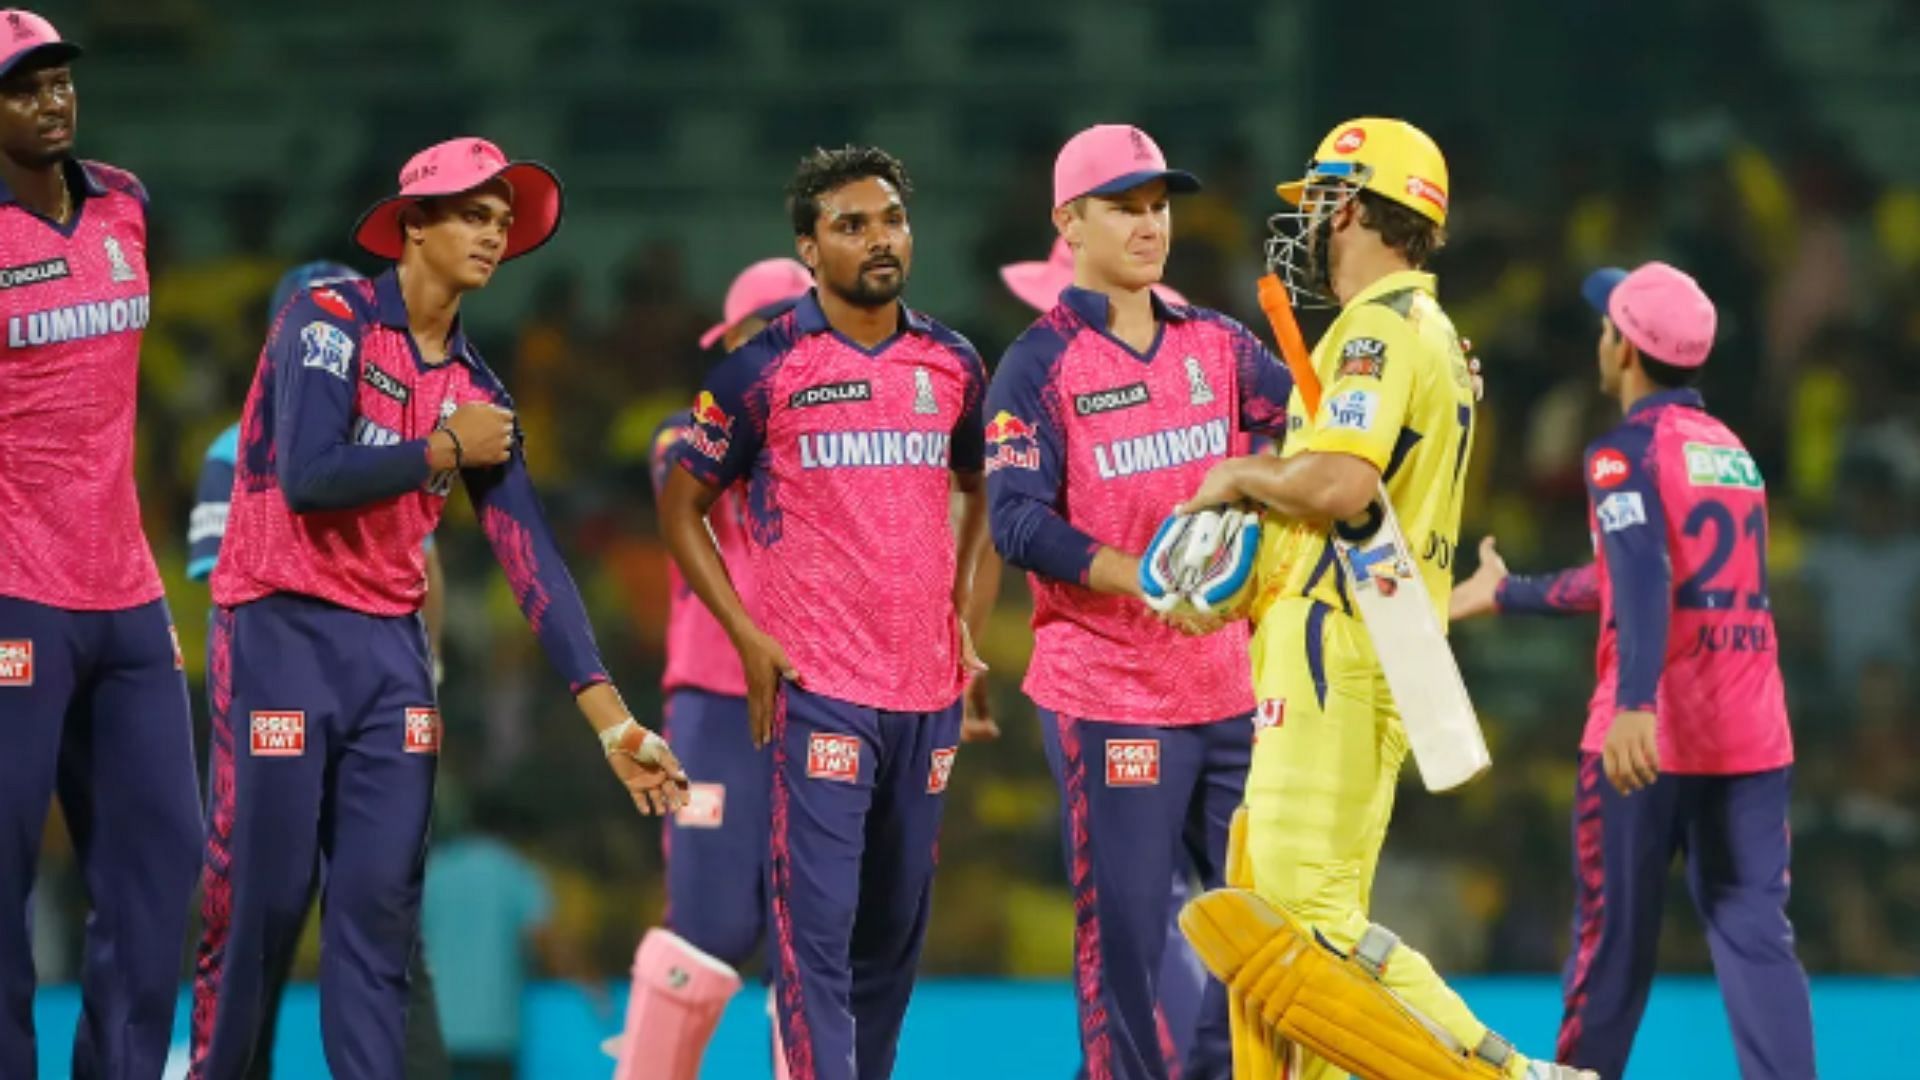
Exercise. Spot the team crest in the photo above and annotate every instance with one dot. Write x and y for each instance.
(117, 261)
(1198, 392)
(924, 403)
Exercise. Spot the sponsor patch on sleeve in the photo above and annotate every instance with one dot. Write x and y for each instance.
(1363, 357)
(1353, 410)
(1609, 469)
(327, 347)
(1621, 510)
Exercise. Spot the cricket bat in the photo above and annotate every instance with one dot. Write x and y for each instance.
(1442, 730)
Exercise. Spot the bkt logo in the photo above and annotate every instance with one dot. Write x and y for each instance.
(1133, 762)
(16, 663)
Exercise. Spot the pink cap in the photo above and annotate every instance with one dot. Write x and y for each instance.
(26, 32)
(1107, 159)
(463, 164)
(1039, 284)
(1661, 310)
(762, 285)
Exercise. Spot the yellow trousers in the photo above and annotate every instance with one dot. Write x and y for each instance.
(1320, 794)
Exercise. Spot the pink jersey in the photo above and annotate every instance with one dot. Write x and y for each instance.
(700, 656)
(75, 302)
(848, 455)
(340, 379)
(1679, 511)
(1092, 444)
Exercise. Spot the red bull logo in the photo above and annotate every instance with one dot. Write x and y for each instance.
(1011, 443)
(711, 426)
(16, 663)
(278, 733)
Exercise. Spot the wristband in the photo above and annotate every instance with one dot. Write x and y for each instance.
(459, 452)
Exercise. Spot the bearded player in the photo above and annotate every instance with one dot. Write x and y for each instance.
(1397, 410)
(852, 419)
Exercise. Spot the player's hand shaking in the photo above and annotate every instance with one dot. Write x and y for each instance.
(1632, 751)
(477, 435)
(766, 665)
(1476, 595)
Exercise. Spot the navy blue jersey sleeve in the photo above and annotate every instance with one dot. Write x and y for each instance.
(207, 524)
(1265, 383)
(1575, 590)
(728, 421)
(660, 458)
(315, 355)
(509, 511)
(1026, 466)
(1633, 534)
(969, 434)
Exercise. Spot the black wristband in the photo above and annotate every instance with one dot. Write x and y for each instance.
(459, 452)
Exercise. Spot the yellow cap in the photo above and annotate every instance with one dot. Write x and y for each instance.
(1391, 158)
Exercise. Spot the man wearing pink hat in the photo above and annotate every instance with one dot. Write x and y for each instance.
(368, 402)
(1687, 745)
(716, 845)
(91, 691)
(1103, 416)
(852, 419)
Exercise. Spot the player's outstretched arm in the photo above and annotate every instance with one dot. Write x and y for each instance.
(1313, 486)
(509, 511)
(1492, 590)
(684, 503)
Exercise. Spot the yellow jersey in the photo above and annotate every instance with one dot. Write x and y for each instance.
(1397, 392)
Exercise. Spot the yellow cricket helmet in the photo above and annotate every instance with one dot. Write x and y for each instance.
(1388, 157)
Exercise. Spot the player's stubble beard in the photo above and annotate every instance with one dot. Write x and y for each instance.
(864, 292)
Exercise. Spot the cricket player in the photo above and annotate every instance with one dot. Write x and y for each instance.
(1397, 409)
(1183, 981)
(1687, 745)
(92, 698)
(1105, 413)
(368, 401)
(850, 418)
(715, 846)
(206, 528)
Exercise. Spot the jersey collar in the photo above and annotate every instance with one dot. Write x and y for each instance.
(1685, 397)
(1398, 281)
(390, 310)
(80, 180)
(810, 319)
(1093, 306)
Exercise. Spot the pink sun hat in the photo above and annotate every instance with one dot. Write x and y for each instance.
(762, 285)
(1107, 159)
(29, 33)
(1662, 310)
(460, 165)
(1039, 284)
